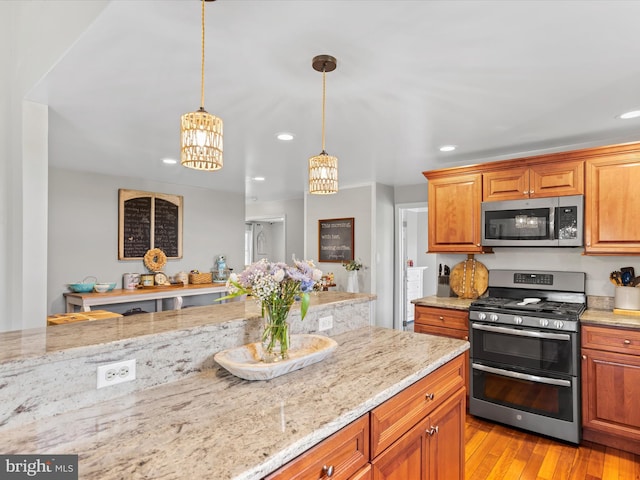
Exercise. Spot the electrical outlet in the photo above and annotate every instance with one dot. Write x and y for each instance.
(115, 373)
(325, 323)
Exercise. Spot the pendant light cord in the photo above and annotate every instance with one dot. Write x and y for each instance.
(324, 94)
(202, 63)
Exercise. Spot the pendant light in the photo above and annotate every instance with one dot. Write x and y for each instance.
(201, 132)
(323, 168)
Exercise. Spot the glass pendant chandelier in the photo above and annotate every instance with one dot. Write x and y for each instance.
(201, 132)
(323, 168)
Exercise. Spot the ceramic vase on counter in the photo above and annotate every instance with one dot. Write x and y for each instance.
(352, 281)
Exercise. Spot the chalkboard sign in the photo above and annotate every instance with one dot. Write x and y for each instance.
(149, 220)
(335, 240)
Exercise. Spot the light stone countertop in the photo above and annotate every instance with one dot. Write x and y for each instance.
(444, 302)
(607, 318)
(213, 425)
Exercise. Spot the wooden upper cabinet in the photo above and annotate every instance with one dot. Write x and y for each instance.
(612, 204)
(534, 181)
(508, 184)
(454, 213)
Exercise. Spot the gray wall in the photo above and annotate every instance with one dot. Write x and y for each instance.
(384, 255)
(83, 231)
(33, 36)
(354, 202)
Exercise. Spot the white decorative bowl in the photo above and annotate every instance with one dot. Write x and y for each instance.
(245, 361)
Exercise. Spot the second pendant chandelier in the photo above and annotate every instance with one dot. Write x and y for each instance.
(323, 168)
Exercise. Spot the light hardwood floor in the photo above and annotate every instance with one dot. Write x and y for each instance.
(496, 452)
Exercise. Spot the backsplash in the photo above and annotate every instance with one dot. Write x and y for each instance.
(595, 302)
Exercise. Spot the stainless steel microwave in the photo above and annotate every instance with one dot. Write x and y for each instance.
(536, 222)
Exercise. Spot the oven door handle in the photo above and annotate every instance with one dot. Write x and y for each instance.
(522, 333)
(522, 376)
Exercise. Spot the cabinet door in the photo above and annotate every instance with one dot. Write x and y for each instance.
(610, 391)
(556, 179)
(612, 203)
(446, 439)
(509, 184)
(433, 449)
(454, 214)
(363, 474)
(407, 458)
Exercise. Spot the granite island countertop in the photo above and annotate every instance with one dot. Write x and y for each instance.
(216, 426)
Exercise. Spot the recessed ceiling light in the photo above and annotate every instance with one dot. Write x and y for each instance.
(628, 115)
(258, 179)
(447, 148)
(169, 161)
(285, 136)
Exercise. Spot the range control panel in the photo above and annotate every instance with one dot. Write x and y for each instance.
(533, 278)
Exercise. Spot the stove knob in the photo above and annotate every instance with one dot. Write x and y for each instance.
(493, 317)
(558, 324)
(482, 316)
(518, 320)
(544, 322)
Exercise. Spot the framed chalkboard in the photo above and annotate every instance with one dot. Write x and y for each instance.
(335, 240)
(148, 220)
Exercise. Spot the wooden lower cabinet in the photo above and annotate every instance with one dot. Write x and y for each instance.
(363, 474)
(425, 451)
(611, 387)
(447, 322)
(340, 456)
(416, 435)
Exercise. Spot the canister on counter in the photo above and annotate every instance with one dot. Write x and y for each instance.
(130, 281)
(146, 279)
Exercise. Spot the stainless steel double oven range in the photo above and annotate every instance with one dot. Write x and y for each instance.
(525, 345)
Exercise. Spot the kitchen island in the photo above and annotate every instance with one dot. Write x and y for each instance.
(210, 424)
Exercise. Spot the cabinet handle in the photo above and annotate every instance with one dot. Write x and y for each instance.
(429, 396)
(627, 341)
(441, 317)
(432, 431)
(466, 337)
(584, 357)
(526, 192)
(531, 192)
(328, 471)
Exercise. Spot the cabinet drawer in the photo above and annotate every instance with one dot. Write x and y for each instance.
(611, 339)
(442, 317)
(346, 451)
(397, 415)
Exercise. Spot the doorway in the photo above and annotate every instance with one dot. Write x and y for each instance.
(265, 238)
(415, 272)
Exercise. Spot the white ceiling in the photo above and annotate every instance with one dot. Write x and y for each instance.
(498, 79)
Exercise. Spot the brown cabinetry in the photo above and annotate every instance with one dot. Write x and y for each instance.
(534, 181)
(454, 213)
(338, 457)
(446, 322)
(417, 434)
(611, 387)
(424, 452)
(612, 204)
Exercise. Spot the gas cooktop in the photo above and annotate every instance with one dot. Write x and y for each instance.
(540, 308)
